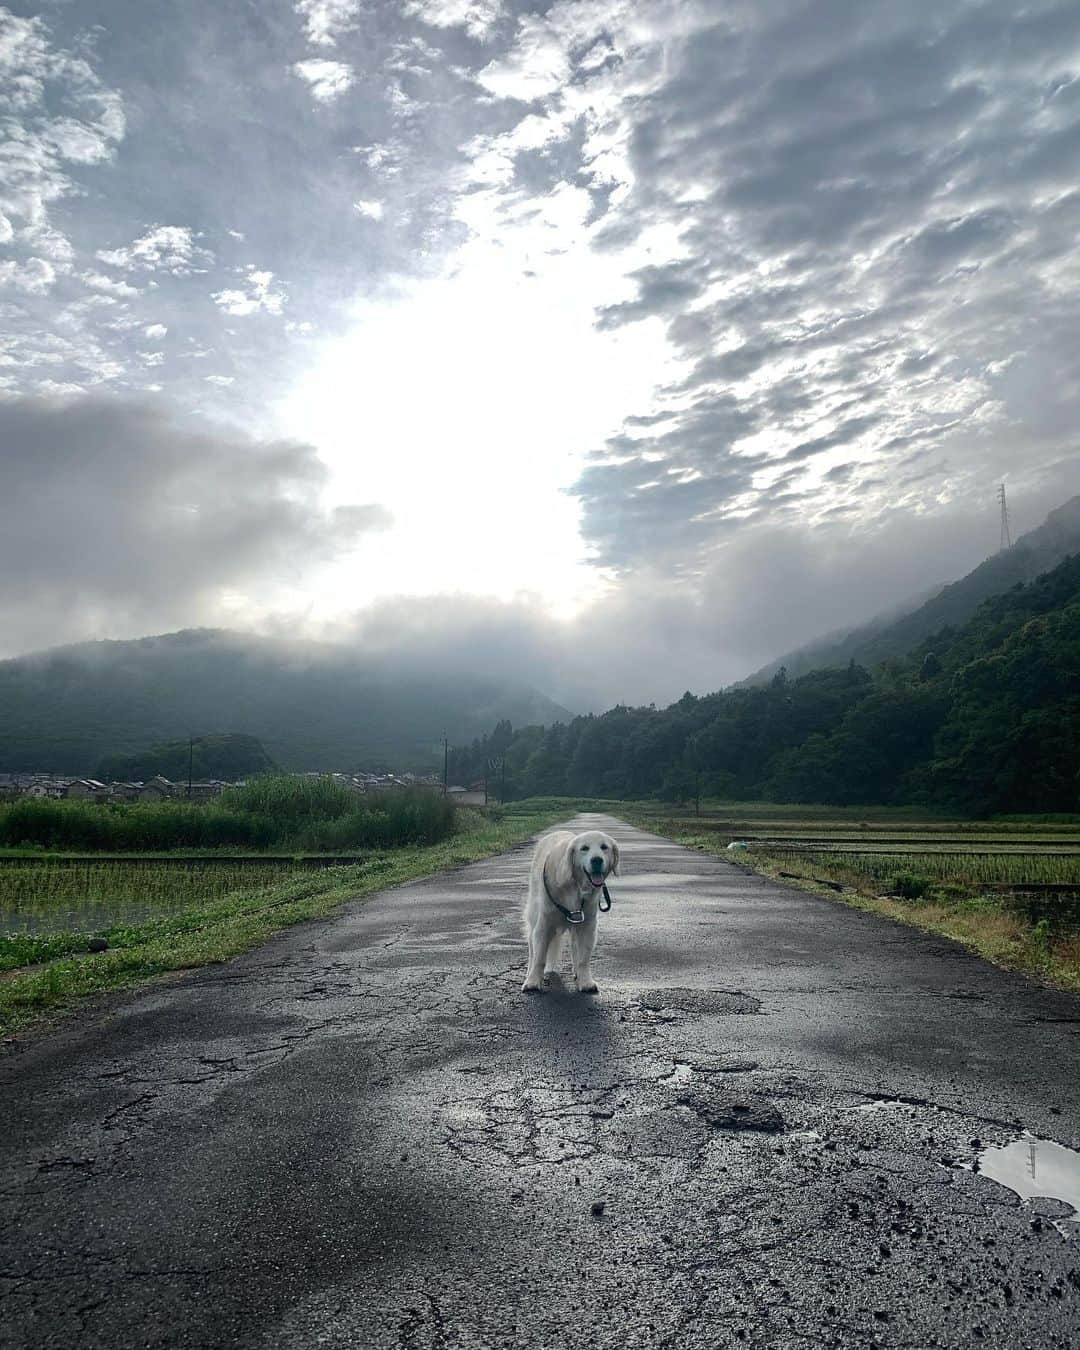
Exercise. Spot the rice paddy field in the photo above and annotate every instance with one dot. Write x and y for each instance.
(54, 895)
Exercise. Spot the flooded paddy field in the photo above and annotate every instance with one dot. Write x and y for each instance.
(52, 896)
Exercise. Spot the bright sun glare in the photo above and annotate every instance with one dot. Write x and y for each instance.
(466, 406)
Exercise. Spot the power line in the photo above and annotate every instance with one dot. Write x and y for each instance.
(1006, 533)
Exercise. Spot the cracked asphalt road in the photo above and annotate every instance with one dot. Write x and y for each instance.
(362, 1134)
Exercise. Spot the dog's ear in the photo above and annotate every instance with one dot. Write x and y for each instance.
(570, 859)
(562, 866)
(614, 858)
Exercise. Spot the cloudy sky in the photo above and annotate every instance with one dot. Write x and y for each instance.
(619, 343)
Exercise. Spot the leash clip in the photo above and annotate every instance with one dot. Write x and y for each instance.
(605, 904)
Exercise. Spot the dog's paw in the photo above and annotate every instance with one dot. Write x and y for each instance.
(588, 989)
(531, 987)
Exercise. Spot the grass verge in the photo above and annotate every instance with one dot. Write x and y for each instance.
(995, 926)
(213, 933)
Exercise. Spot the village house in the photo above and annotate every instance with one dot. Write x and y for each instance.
(85, 789)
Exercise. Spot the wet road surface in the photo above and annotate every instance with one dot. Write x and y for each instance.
(760, 1132)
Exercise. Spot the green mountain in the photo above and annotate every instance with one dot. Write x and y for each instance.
(896, 633)
(983, 717)
(314, 706)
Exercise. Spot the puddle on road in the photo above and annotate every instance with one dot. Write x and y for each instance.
(682, 1073)
(1034, 1169)
(909, 1104)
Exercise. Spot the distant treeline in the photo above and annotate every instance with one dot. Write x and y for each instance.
(273, 812)
(980, 718)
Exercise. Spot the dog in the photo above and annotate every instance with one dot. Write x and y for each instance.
(566, 878)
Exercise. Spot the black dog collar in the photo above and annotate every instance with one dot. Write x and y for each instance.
(575, 915)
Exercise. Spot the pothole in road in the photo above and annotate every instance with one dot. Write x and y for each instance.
(724, 1002)
(1038, 1171)
(722, 1108)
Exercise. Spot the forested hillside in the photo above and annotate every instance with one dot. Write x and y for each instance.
(1033, 553)
(314, 706)
(982, 717)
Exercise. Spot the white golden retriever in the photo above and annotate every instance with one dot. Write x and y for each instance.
(566, 879)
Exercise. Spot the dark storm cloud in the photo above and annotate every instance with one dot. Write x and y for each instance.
(116, 515)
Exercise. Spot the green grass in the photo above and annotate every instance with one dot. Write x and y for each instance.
(961, 894)
(209, 928)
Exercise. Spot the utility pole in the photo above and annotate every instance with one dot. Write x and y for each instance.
(1006, 533)
(445, 765)
(502, 788)
(190, 757)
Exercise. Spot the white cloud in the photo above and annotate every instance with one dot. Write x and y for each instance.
(35, 276)
(78, 142)
(258, 298)
(477, 17)
(373, 210)
(537, 65)
(223, 381)
(155, 330)
(164, 248)
(56, 113)
(328, 79)
(98, 281)
(326, 20)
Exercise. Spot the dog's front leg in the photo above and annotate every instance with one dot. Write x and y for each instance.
(582, 942)
(540, 936)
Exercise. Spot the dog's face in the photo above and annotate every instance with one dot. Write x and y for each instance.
(593, 857)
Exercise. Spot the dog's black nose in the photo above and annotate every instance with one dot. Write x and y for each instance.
(597, 865)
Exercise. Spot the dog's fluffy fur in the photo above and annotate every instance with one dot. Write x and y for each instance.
(576, 882)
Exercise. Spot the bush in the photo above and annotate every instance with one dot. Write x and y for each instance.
(274, 812)
(288, 800)
(910, 886)
(389, 819)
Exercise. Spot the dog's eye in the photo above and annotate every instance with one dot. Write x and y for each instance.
(584, 848)
(603, 847)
